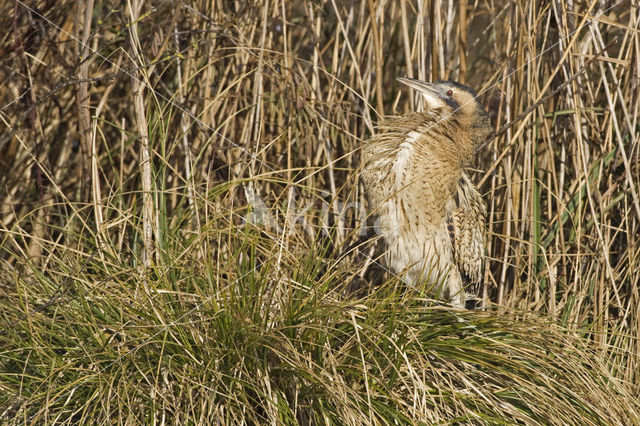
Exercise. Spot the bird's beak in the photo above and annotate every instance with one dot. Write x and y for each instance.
(419, 85)
(432, 94)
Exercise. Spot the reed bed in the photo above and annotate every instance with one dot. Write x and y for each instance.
(184, 236)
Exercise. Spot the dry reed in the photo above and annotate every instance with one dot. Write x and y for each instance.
(150, 108)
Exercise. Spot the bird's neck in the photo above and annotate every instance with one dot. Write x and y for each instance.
(425, 176)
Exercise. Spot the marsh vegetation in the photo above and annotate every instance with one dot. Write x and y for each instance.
(184, 237)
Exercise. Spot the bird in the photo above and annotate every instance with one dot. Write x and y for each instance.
(430, 214)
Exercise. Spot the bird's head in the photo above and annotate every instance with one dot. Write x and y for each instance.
(450, 99)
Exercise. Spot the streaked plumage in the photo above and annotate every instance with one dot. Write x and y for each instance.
(431, 216)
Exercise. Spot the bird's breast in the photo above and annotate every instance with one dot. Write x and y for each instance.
(410, 183)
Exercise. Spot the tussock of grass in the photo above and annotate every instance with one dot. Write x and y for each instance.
(184, 238)
(256, 340)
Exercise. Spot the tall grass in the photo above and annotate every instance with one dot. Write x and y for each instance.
(184, 236)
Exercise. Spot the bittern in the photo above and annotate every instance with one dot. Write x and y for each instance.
(430, 214)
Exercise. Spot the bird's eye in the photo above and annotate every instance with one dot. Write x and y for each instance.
(449, 92)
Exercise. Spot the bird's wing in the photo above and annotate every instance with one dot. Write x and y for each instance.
(377, 165)
(466, 226)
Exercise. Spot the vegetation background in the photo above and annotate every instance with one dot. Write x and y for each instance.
(182, 236)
